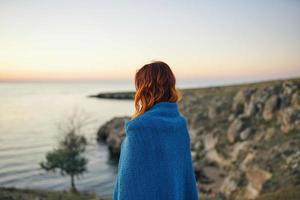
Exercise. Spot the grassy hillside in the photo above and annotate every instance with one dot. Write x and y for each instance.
(24, 194)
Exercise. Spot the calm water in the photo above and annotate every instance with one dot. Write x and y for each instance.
(28, 129)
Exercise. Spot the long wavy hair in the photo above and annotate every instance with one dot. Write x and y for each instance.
(154, 82)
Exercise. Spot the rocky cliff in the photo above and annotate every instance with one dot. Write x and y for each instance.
(245, 139)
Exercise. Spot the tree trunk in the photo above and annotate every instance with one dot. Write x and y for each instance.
(73, 187)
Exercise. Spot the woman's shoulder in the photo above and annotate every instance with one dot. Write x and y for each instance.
(139, 122)
(150, 120)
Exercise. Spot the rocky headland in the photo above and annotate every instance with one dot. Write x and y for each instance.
(245, 139)
(115, 95)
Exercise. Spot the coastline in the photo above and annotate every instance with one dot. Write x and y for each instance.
(129, 95)
(238, 136)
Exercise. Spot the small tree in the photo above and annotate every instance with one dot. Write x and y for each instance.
(68, 158)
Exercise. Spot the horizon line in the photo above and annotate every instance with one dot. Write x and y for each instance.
(129, 80)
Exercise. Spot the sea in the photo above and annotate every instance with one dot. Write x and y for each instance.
(31, 120)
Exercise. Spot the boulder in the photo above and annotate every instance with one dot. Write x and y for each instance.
(112, 133)
(293, 161)
(256, 178)
(295, 101)
(249, 157)
(271, 105)
(231, 117)
(230, 184)
(270, 132)
(194, 155)
(115, 126)
(215, 108)
(234, 130)
(290, 119)
(242, 97)
(251, 108)
(237, 148)
(263, 94)
(114, 144)
(245, 133)
(209, 143)
(289, 87)
(200, 175)
(198, 145)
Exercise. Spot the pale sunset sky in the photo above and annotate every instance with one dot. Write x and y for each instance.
(109, 40)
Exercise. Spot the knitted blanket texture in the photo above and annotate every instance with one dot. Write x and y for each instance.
(155, 160)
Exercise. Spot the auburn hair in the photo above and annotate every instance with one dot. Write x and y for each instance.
(154, 82)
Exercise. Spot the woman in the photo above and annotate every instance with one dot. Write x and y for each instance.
(155, 161)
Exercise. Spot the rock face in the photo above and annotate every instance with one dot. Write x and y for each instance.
(234, 130)
(256, 178)
(230, 184)
(112, 133)
(241, 100)
(255, 125)
(271, 106)
(245, 139)
(290, 119)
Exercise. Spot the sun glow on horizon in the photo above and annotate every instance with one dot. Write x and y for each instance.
(95, 40)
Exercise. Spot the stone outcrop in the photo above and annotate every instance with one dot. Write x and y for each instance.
(256, 178)
(112, 133)
(290, 119)
(230, 184)
(295, 101)
(271, 106)
(234, 130)
(244, 139)
(241, 100)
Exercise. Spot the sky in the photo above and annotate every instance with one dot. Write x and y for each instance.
(109, 40)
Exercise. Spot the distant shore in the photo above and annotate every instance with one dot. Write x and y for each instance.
(115, 95)
(129, 95)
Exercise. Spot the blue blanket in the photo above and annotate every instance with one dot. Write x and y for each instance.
(155, 161)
